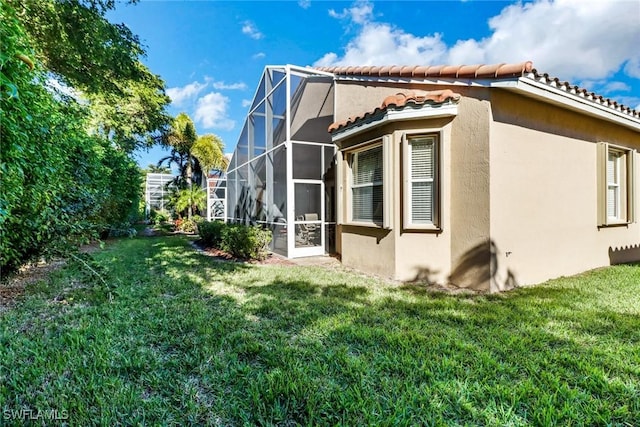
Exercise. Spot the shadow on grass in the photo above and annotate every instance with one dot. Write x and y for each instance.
(188, 340)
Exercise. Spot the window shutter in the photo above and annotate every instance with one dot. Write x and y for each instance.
(602, 198)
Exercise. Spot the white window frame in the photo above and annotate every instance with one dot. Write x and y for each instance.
(622, 184)
(408, 180)
(351, 156)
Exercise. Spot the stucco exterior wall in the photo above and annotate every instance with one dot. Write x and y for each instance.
(397, 252)
(471, 248)
(519, 194)
(423, 255)
(370, 249)
(544, 191)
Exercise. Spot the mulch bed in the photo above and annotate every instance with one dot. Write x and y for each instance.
(221, 255)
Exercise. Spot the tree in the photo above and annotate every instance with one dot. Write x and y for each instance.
(151, 168)
(209, 151)
(136, 116)
(74, 41)
(181, 138)
(194, 156)
(61, 185)
(190, 199)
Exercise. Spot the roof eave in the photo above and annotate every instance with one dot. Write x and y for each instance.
(574, 102)
(449, 109)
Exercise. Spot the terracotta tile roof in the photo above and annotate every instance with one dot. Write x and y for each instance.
(455, 71)
(480, 71)
(399, 101)
(583, 93)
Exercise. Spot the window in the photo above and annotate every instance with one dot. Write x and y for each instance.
(366, 185)
(421, 181)
(614, 166)
(616, 185)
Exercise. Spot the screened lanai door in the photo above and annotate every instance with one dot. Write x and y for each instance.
(308, 207)
(308, 199)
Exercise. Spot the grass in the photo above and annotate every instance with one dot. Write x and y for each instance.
(175, 338)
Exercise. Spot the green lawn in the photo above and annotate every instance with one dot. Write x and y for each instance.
(175, 338)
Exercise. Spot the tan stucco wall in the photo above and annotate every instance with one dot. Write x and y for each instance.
(519, 195)
(544, 191)
(405, 255)
(470, 203)
(423, 255)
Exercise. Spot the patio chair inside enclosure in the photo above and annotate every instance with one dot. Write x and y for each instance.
(307, 233)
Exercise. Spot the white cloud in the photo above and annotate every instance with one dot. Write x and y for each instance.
(233, 86)
(246, 103)
(212, 112)
(179, 95)
(305, 4)
(250, 29)
(570, 39)
(382, 44)
(616, 87)
(259, 55)
(360, 13)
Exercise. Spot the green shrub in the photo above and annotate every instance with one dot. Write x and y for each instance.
(242, 241)
(211, 232)
(158, 217)
(186, 225)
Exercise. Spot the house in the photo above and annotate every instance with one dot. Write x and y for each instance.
(482, 176)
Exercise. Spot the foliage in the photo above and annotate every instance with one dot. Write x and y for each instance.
(242, 241)
(186, 225)
(135, 116)
(158, 217)
(245, 241)
(75, 41)
(100, 62)
(187, 340)
(194, 156)
(209, 152)
(211, 232)
(182, 134)
(194, 198)
(60, 185)
(151, 168)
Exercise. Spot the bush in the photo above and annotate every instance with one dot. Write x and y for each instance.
(158, 217)
(186, 225)
(211, 232)
(242, 241)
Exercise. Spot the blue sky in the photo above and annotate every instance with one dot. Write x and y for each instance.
(211, 54)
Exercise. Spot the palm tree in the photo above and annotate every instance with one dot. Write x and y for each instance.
(181, 138)
(194, 156)
(209, 154)
(190, 199)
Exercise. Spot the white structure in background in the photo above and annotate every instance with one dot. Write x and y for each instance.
(157, 189)
(217, 198)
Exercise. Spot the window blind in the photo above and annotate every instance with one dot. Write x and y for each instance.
(422, 180)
